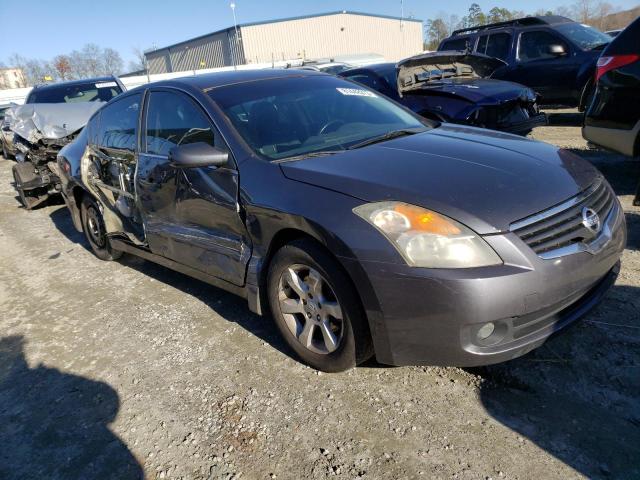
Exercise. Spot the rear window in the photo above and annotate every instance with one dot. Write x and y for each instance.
(455, 44)
(498, 46)
(83, 92)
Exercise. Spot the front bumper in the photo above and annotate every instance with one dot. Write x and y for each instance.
(525, 126)
(433, 316)
(618, 140)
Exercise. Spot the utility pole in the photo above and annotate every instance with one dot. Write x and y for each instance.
(235, 38)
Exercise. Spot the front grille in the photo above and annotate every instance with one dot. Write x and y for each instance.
(561, 226)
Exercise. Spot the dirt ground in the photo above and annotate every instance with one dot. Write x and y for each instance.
(127, 370)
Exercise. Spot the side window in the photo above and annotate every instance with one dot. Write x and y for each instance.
(119, 123)
(499, 45)
(482, 44)
(458, 44)
(92, 129)
(173, 119)
(535, 45)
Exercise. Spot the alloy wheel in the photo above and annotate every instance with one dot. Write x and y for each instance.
(310, 309)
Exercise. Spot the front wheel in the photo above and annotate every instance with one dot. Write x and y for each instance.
(95, 231)
(316, 308)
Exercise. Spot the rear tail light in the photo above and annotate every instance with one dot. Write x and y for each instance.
(606, 64)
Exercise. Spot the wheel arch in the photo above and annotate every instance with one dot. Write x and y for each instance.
(258, 297)
(73, 204)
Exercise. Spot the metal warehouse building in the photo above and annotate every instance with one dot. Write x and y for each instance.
(324, 35)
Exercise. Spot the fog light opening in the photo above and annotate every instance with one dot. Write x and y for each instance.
(486, 331)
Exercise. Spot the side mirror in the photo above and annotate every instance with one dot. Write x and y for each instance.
(198, 154)
(557, 50)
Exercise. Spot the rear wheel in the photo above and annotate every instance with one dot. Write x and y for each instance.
(317, 309)
(95, 231)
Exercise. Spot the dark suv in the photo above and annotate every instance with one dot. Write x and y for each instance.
(553, 55)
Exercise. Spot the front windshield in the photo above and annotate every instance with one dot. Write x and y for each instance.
(295, 116)
(84, 92)
(584, 36)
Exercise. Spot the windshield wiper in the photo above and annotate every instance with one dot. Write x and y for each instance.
(321, 153)
(387, 136)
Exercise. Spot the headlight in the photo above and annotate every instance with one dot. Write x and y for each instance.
(428, 239)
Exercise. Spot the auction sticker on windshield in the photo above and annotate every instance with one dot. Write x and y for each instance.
(106, 84)
(356, 91)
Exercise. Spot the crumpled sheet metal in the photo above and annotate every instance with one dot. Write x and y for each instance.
(52, 121)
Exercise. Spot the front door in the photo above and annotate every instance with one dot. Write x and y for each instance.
(552, 75)
(191, 215)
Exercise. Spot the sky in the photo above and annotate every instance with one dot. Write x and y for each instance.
(42, 29)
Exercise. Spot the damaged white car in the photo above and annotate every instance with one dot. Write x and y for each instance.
(52, 117)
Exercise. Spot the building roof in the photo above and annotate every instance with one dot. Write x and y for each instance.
(278, 20)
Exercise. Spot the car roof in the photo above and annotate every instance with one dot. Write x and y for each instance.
(83, 81)
(520, 23)
(209, 81)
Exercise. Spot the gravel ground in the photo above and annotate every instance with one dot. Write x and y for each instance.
(127, 370)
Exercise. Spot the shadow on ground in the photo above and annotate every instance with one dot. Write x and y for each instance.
(564, 119)
(54, 425)
(578, 396)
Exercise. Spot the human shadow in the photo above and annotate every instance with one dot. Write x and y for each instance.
(229, 306)
(578, 396)
(54, 425)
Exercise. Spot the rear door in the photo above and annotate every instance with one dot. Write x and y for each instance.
(496, 45)
(551, 75)
(192, 216)
(109, 169)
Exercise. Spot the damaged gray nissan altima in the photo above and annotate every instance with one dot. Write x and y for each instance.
(362, 228)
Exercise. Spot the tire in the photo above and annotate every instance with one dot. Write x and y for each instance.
(94, 230)
(586, 97)
(28, 202)
(306, 330)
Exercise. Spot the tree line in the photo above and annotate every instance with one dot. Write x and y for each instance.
(90, 61)
(591, 12)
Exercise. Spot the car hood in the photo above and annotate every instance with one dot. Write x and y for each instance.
(423, 69)
(482, 178)
(477, 90)
(51, 121)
